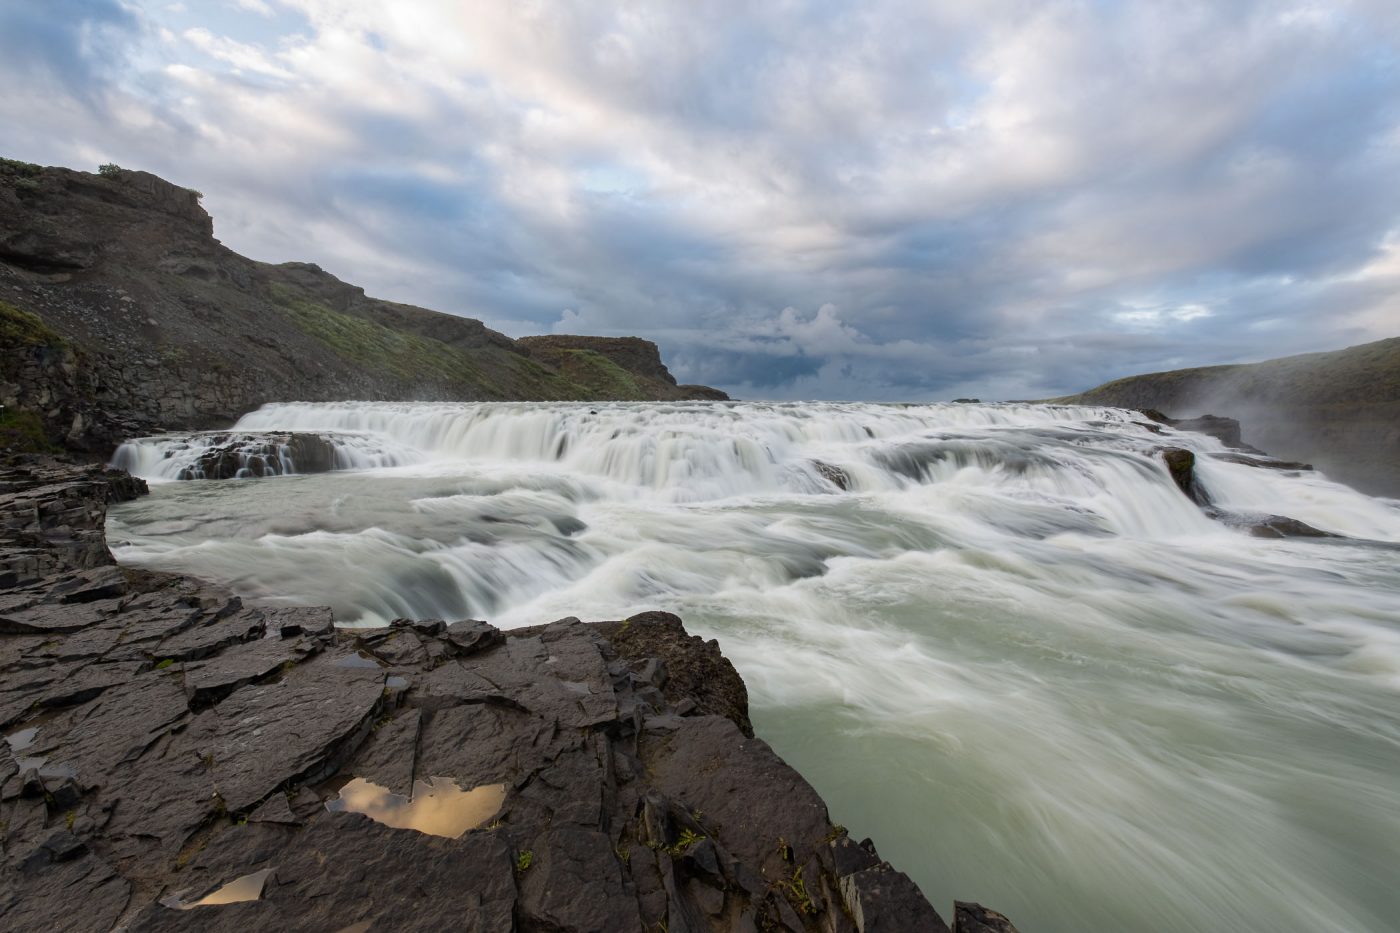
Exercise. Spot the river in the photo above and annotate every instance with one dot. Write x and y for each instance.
(1010, 649)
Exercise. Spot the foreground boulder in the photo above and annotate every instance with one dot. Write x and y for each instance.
(180, 761)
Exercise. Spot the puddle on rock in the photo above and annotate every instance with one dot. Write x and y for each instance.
(22, 739)
(247, 888)
(360, 659)
(438, 806)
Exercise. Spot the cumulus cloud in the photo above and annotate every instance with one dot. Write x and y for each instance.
(888, 199)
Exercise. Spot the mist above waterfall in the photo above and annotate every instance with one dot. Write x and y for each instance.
(998, 626)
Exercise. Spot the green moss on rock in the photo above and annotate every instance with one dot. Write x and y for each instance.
(23, 329)
(22, 431)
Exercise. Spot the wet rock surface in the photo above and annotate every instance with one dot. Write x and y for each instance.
(1181, 464)
(166, 740)
(234, 456)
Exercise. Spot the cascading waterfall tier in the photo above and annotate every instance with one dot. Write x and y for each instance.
(1002, 624)
(250, 455)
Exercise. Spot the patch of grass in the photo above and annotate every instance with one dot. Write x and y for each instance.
(683, 842)
(599, 376)
(795, 889)
(22, 169)
(23, 329)
(483, 373)
(407, 356)
(523, 860)
(23, 431)
(165, 664)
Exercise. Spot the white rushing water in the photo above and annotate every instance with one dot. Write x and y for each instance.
(1011, 650)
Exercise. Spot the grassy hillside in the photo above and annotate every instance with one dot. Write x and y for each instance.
(1339, 409)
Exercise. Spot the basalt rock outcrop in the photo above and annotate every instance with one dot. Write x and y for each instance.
(233, 456)
(621, 367)
(178, 760)
(122, 315)
(1181, 464)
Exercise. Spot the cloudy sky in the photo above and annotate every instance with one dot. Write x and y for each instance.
(882, 199)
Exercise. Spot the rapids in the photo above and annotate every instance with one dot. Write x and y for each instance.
(1009, 649)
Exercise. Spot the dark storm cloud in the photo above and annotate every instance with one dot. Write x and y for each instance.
(883, 200)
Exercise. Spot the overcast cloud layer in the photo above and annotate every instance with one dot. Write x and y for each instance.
(867, 199)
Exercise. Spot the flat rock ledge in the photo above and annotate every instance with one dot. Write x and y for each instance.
(164, 740)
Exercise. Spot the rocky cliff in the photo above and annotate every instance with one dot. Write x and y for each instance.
(619, 367)
(1338, 410)
(179, 761)
(120, 313)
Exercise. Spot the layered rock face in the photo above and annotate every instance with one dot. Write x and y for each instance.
(180, 761)
(624, 367)
(142, 312)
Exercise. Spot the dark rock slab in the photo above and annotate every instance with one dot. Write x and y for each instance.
(882, 900)
(264, 737)
(244, 455)
(833, 474)
(974, 918)
(209, 681)
(1263, 463)
(50, 619)
(88, 682)
(87, 586)
(202, 641)
(695, 668)
(291, 621)
(1225, 430)
(1281, 526)
(275, 810)
(81, 895)
(390, 755)
(575, 884)
(470, 636)
(1181, 464)
(706, 764)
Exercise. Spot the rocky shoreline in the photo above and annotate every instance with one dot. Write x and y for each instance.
(178, 760)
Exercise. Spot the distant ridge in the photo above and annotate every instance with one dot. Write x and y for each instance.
(1339, 410)
(121, 313)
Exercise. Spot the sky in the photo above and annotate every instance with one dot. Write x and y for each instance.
(871, 199)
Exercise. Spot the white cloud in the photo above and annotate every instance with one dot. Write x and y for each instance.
(939, 180)
(241, 56)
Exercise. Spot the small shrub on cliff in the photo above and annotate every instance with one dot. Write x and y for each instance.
(109, 169)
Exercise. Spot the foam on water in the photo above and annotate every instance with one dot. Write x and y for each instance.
(1009, 648)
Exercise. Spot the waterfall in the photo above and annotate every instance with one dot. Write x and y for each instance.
(998, 624)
